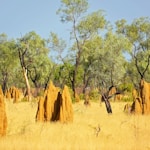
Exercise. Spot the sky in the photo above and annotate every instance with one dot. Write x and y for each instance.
(18, 17)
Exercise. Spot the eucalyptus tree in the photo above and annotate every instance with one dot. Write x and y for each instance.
(41, 71)
(105, 58)
(104, 63)
(92, 49)
(62, 58)
(112, 57)
(8, 61)
(138, 34)
(31, 51)
(84, 27)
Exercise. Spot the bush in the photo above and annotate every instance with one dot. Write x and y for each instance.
(24, 99)
(94, 95)
(127, 98)
(127, 86)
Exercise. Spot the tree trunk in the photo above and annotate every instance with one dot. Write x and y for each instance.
(73, 83)
(4, 82)
(27, 84)
(86, 81)
(107, 104)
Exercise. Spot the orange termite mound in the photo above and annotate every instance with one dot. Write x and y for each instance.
(3, 118)
(137, 106)
(1, 92)
(50, 96)
(55, 106)
(13, 93)
(141, 104)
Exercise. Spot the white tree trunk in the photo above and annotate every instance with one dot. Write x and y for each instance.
(27, 84)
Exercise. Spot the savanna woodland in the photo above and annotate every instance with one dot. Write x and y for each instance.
(58, 96)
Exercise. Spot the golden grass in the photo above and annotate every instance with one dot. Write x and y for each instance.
(118, 131)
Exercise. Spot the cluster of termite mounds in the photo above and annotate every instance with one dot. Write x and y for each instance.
(3, 117)
(13, 93)
(141, 99)
(55, 105)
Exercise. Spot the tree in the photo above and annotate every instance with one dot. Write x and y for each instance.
(105, 59)
(40, 71)
(8, 60)
(31, 49)
(83, 29)
(138, 33)
(57, 46)
(104, 63)
(113, 59)
(91, 52)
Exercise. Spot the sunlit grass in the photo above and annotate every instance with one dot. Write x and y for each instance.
(117, 131)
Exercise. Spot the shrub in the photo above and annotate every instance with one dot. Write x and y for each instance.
(94, 95)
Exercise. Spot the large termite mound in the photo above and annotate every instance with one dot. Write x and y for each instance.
(141, 104)
(3, 118)
(56, 105)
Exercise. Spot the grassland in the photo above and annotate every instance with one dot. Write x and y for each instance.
(118, 131)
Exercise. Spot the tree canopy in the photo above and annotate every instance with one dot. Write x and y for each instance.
(97, 53)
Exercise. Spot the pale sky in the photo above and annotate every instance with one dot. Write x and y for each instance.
(18, 17)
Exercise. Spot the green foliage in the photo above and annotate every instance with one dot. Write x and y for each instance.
(33, 55)
(72, 97)
(24, 99)
(109, 64)
(94, 95)
(128, 86)
(88, 26)
(96, 53)
(127, 98)
(71, 10)
(81, 96)
(8, 61)
(138, 34)
(57, 46)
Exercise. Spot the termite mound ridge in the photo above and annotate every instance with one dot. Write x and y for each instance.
(13, 93)
(141, 103)
(66, 109)
(56, 105)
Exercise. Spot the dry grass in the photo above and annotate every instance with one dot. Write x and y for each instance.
(118, 131)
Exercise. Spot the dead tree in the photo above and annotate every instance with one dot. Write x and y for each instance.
(106, 97)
